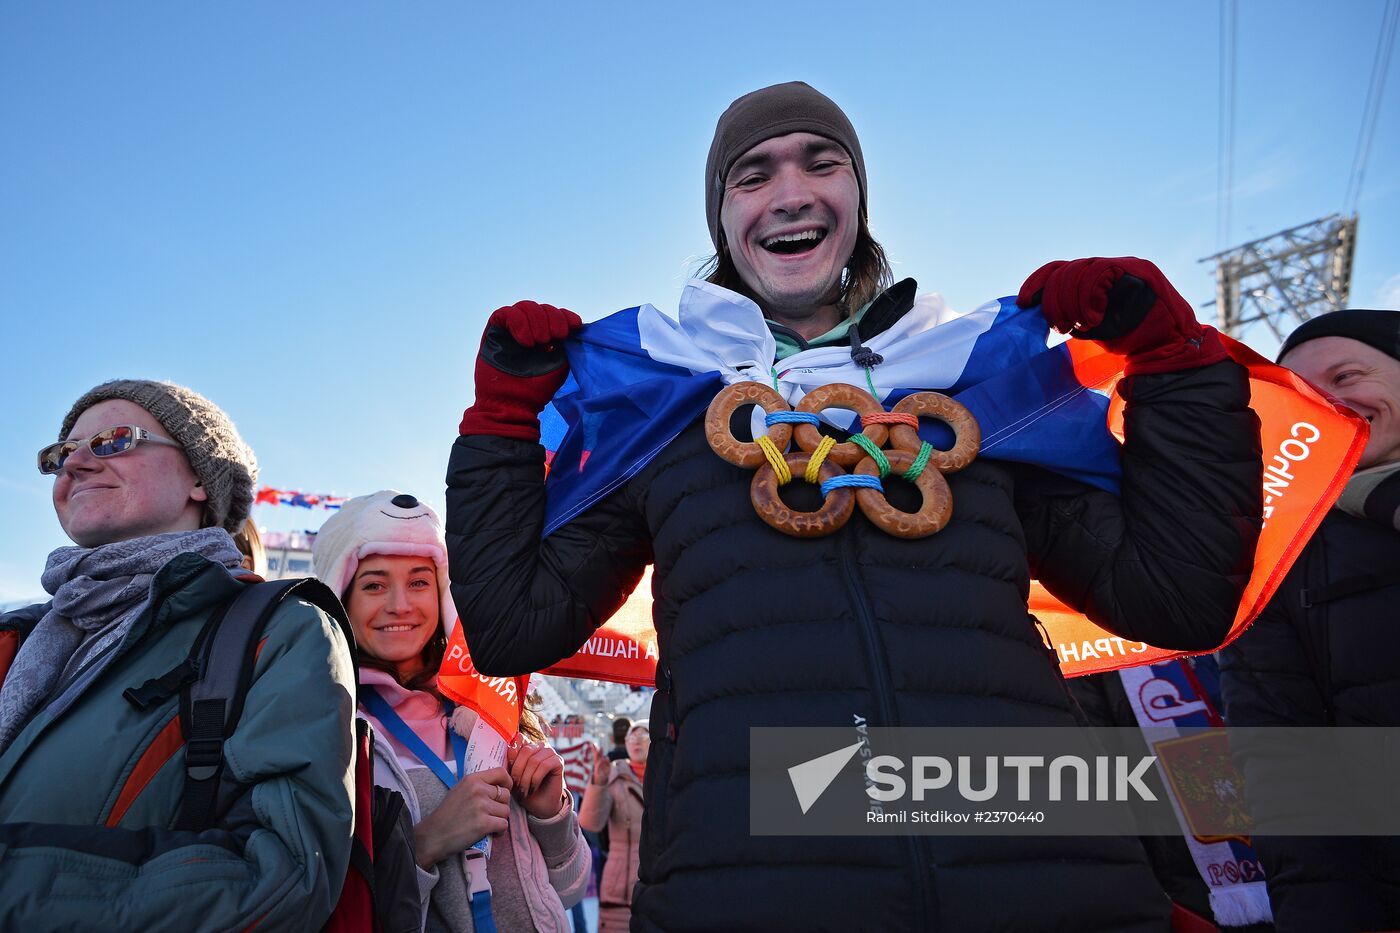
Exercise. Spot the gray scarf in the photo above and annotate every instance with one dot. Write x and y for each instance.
(97, 594)
(1374, 494)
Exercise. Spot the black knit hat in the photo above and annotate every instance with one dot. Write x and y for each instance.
(1379, 329)
(794, 107)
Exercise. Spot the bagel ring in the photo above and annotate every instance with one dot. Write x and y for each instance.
(840, 395)
(937, 507)
(722, 440)
(952, 413)
(835, 511)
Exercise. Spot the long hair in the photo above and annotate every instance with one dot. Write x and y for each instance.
(866, 275)
(250, 545)
(531, 722)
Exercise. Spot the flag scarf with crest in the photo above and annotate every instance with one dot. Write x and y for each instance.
(638, 378)
(1202, 783)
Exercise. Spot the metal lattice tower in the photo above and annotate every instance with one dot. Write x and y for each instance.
(1286, 278)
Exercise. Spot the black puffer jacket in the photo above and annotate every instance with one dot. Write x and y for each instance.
(759, 629)
(1332, 662)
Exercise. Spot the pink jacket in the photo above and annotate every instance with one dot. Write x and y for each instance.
(551, 856)
(617, 805)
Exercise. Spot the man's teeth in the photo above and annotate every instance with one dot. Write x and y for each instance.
(397, 628)
(812, 235)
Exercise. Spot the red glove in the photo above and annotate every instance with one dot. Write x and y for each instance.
(1128, 306)
(520, 366)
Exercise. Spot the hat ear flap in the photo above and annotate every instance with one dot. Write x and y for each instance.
(448, 620)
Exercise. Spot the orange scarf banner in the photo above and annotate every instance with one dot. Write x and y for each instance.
(496, 700)
(623, 650)
(1311, 446)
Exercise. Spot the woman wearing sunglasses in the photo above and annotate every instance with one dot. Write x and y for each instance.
(149, 481)
(385, 556)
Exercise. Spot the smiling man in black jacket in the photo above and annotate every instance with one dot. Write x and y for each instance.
(757, 628)
(1326, 649)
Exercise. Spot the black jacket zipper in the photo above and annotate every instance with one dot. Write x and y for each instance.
(884, 694)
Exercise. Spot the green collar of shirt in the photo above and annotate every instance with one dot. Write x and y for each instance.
(787, 345)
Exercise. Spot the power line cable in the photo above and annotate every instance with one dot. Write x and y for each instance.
(1225, 169)
(1370, 111)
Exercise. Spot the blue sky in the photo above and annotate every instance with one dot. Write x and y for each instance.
(306, 211)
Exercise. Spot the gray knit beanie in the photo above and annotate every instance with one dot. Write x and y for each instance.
(794, 107)
(224, 464)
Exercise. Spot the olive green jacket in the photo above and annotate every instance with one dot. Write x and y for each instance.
(89, 789)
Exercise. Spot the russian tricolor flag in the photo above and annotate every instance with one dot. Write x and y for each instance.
(637, 378)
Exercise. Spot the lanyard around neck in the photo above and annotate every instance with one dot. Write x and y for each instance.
(393, 723)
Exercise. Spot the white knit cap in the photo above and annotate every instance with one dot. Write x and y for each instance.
(389, 523)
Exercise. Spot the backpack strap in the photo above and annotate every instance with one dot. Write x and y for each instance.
(212, 704)
(213, 681)
(364, 831)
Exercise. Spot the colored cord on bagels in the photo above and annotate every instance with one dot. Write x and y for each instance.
(791, 417)
(775, 459)
(874, 452)
(851, 481)
(814, 464)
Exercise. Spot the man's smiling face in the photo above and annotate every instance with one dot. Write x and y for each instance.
(1362, 377)
(790, 216)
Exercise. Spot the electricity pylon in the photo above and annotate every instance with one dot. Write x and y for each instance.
(1284, 279)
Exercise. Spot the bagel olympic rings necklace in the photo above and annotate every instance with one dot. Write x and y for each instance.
(820, 459)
